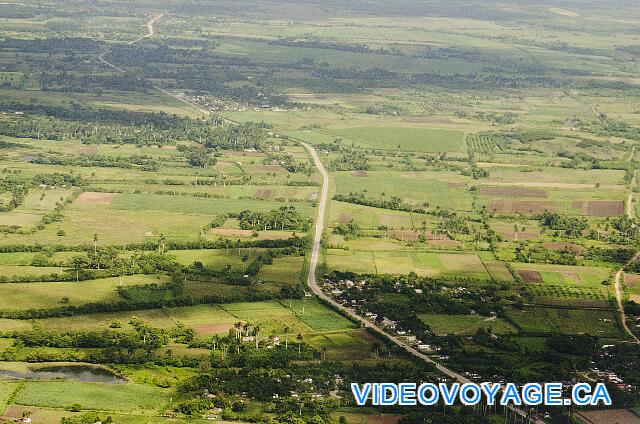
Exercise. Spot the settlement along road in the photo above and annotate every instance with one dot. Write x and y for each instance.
(313, 282)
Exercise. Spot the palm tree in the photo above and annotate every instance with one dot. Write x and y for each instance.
(161, 243)
(286, 337)
(256, 333)
(95, 249)
(238, 327)
(299, 339)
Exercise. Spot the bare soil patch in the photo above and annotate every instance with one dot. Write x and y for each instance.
(359, 174)
(94, 198)
(569, 247)
(514, 192)
(406, 235)
(631, 280)
(605, 208)
(520, 206)
(522, 235)
(88, 149)
(599, 207)
(346, 218)
(212, 328)
(264, 194)
(610, 416)
(445, 243)
(269, 168)
(530, 276)
(457, 185)
(231, 232)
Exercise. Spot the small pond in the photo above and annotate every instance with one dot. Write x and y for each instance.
(85, 373)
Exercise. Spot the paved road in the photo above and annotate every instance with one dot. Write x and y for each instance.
(319, 227)
(618, 279)
(313, 282)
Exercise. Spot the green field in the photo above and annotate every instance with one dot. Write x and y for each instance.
(19, 296)
(566, 321)
(403, 138)
(122, 397)
(465, 324)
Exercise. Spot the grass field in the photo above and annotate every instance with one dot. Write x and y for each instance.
(19, 296)
(403, 138)
(425, 188)
(403, 262)
(6, 389)
(465, 324)
(566, 321)
(63, 394)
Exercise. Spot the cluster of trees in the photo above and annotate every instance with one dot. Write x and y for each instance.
(289, 163)
(535, 253)
(349, 231)
(17, 187)
(566, 225)
(452, 225)
(135, 161)
(249, 135)
(360, 198)
(350, 159)
(283, 218)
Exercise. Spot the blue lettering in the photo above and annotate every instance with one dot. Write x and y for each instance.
(490, 392)
(385, 388)
(464, 394)
(434, 396)
(532, 394)
(510, 395)
(601, 393)
(407, 394)
(449, 396)
(361, 395)
(553, 394)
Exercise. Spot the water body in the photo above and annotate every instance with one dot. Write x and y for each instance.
(67, 372)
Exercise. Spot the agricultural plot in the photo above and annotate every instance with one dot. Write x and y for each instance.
(565, 321)
(20, 296)
(586, 276)
(413, 139)
(64, 394)
(402, 262)
(424, 188)
(465, 324)
(344, 345)
(368, 217)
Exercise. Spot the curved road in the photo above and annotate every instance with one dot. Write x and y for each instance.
(319, 228)
(618, 279)
(313, 283)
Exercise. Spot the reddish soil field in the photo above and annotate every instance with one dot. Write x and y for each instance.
(522, 235)
(88, 149)
(611, 416)
(359, 174)
(93, 198)
(212, 328)
(264, 194)
(445, 243)
(269, 168)
(456, 185)
(530, 276)
(231, 232)
(520, 206)
(605, 208)
(514, 192)
(346, 218)
(631, 280)
(599, 207)
(569, 247)
(406, 235)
